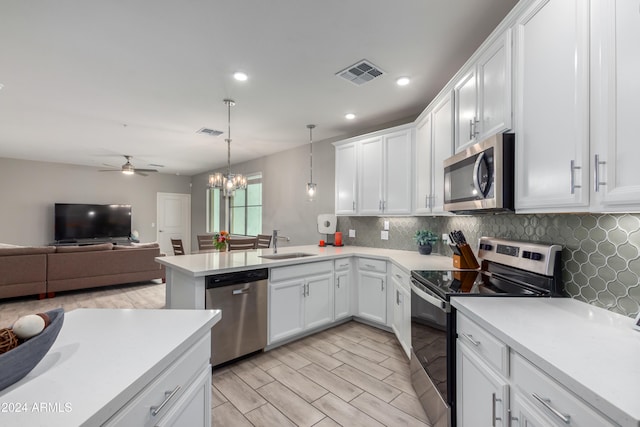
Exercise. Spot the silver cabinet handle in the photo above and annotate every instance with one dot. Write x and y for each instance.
(426, 201)
(338, 284)
(155, 410)
(554, 411)
(398, 276)
(240, 291)
(370, 266)
(380, 205)
(397, 298)
(596, 175)
(573, 177)
(470, 129)
(493, 410)
(470, 338)
(382, 285)
(354, 205)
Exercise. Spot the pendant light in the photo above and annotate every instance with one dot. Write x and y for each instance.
(228, 183)
(311, 186)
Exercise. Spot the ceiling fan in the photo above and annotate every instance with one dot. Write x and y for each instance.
(128, 169)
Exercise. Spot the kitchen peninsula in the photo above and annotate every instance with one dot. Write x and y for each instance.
(186, 273)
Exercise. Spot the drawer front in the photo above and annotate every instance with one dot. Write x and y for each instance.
(371, 264)
(342, 264)
(179, 374)
(401, 276)
(300, 270)
(552, 399)
(491, 349)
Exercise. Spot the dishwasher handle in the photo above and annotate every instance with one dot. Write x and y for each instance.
(236, 278)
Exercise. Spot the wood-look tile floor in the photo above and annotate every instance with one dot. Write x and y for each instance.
(349, 375)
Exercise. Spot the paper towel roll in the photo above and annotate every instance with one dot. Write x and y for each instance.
(327, 223)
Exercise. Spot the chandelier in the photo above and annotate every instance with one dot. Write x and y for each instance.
(311, 186)
(228, 182)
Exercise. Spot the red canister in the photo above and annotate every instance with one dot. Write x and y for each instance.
(338, 239)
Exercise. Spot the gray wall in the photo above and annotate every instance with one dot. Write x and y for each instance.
(284, 203)
(601, 255)
(28, 191)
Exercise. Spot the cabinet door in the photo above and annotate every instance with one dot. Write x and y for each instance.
(614, 106)
(194, 406)
(423, 166)
(346, 172)
(370, 176)
(481, 394)
(442, 149)
(372, 301)
(523, 414)
(398, 184)
(466, 116)
(402, 316)
(342, 290)
(552, 106)
(494, 88)
(318, 303)
(286, 309)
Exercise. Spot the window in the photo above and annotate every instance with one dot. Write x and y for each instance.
(213, 209)
(246, 208)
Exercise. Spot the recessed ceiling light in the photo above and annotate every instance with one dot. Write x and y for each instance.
(349, 116)
(240, 76)
(403, 81)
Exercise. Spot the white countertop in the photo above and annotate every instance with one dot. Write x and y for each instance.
(592, 351)
(203, 264)
(98, 363)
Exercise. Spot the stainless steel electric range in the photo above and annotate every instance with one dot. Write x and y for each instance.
(508, 268)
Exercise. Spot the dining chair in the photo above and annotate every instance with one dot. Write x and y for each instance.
(177, 246)
(241, 243)
(264, 241)
(205, 242)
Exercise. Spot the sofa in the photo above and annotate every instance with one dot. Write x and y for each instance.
(46, 270)
(23, 270)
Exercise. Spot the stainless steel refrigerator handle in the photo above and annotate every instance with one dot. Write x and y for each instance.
(476, 170)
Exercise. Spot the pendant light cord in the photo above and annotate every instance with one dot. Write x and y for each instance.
(311, 152)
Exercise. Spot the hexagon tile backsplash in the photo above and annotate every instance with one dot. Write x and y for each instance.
(601, 255)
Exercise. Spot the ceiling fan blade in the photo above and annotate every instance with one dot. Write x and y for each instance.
(146, 170)
(109, 170)
(137, 172)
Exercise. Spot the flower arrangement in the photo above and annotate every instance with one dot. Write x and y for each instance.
(220, 240)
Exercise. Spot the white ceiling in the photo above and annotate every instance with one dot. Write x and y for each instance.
(75, 72)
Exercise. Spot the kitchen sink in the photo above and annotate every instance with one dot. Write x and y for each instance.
(287, 256)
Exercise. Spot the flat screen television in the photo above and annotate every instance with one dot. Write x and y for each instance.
(80, 221)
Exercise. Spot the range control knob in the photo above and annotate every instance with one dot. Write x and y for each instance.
(486, 246)
(536, 256)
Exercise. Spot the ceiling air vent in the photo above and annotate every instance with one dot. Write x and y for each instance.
(211, 132)
(360, 72)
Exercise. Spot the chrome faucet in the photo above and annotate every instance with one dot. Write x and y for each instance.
(275, 240)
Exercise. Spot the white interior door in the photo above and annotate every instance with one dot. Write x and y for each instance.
(174, 220)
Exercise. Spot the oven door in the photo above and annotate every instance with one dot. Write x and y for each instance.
(429, 315)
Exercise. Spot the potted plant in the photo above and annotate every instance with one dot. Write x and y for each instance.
(220, 240)
(424, 239)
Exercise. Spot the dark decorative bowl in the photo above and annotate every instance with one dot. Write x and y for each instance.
(18, 362)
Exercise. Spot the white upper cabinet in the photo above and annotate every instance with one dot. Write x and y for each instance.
(346, 173)
(423, 165)
(482, 95)
(466, 114)
(442, 141)
(615, 87)
(552, 106)
(494, 88)
(374, 173)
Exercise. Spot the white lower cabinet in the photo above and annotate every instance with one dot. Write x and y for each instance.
(401, 324)
(301, 297)
(482, 393)
(372, 290)
(194, 407)
(342, 289)
(498, 386)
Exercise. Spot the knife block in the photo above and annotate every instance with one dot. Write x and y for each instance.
(466, 259)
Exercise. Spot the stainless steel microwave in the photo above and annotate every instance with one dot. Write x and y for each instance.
(480, 178)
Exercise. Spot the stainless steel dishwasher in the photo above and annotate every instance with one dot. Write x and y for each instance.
(242, 297)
